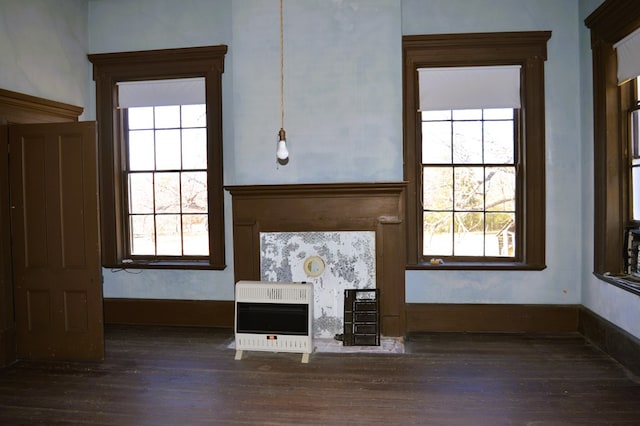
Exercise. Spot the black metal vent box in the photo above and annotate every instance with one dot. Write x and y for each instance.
(361, 317)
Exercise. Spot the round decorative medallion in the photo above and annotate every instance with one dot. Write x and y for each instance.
(314, 266)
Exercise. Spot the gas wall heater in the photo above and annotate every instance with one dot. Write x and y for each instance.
(274, 317)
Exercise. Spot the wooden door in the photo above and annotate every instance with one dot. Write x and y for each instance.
(56, 247)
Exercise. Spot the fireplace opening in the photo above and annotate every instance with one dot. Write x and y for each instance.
(273, 318)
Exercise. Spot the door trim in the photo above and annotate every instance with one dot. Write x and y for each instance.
(26, 109)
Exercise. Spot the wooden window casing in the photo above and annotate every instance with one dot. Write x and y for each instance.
(610, 23)
(527, 49)
(112, 68)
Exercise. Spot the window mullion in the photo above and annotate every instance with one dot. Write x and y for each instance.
(181, 216)
(484, 186)
(155, 214)
(453, 186)
(153, 186)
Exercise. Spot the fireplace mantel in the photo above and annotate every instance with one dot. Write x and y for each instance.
(375, 207)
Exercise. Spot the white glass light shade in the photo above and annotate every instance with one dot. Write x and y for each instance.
(282, 153)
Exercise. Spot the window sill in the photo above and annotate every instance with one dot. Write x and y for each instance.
(165, 264)
(621, 281)
(476, 266)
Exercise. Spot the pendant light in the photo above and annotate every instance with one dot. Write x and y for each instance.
(282, 153)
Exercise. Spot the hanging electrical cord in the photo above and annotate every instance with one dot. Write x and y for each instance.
(281, 68)
(282, 153)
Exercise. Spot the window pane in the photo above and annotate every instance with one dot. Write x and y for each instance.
(498, 142)
(436, 115)
(141, 150)
(464, 196)
(169, 235)
(194, 192)
(167, 117)
(167, 192)
(168, 149)
(469, 234)
(194, 149)
(194, 116)
(140, 118)
(635, 134)
(438, 188)
(467, 114)
(436, 142)
(469, 188)
(195, 234)
(500, 187)
(157, 200)
(140, 193)
(438, 234)
(142, 239)
(500, 240)
(467, 142)
(498, 114)
(635, 172)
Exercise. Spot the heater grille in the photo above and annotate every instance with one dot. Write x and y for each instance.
(266, 292)
(265, 319)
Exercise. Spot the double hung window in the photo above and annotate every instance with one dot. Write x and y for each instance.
(469, 159)
(166, 179)
(160, 133)
(475, 171)
(615, 44)
(469, 182)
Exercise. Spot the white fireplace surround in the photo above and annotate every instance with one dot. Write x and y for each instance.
(331, 261)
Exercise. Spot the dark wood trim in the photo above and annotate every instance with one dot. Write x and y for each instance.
(528, 49)
(507, 45)
(622, 282)
(20, 108)
(7, 320)
(111, 68)
(125, 66)
(327, 207)
(609, 23)
(613, 20)
(195, 313)
(491, 318)
(619, 344)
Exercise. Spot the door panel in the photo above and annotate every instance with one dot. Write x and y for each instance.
(56, 250)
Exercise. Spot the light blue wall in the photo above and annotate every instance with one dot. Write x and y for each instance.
(127, 25)
(343, 92)
(43, 47)
(343, 100)
(560, 282)
(343, 113)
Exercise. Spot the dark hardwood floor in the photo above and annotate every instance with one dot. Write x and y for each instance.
(188, 376)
